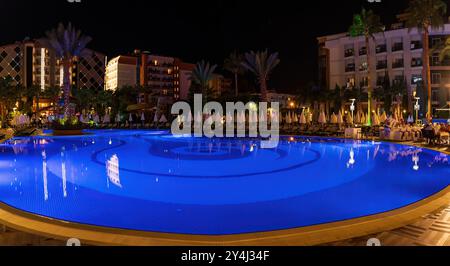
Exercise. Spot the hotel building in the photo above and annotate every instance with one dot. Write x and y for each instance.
(121, 71)
(29, 63)
(397, 52)
(167, 77)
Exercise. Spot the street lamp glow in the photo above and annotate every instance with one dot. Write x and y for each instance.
(417, 108)
(352, 108)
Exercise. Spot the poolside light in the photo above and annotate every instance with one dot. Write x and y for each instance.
(352, 108)
(417, 108)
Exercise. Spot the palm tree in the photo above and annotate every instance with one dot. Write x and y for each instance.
(202, 76)
(69, 45)
(367, 24)
(261, 64)
(233, 64)
(423, 15)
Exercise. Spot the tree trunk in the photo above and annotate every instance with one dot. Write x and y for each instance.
(263, 85)
(236, 91)
(369, 85)
(37, 105)
(67, 66)
(426, 69)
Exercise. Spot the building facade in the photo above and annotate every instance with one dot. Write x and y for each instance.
(396, 52)
(166, 77)
(29, 63)
(121, 71)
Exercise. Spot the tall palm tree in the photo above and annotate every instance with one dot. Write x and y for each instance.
(261, 64)
(69, 45)
(367, 24)
(233, 64)
(202, 75)
(423, 15)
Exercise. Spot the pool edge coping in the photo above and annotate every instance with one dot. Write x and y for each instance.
(303, 236)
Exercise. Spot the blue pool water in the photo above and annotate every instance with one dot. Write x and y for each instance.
(153, 181)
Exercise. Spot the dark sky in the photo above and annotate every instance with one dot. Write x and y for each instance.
(198, 29)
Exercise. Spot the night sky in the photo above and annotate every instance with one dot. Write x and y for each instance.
(199, 29)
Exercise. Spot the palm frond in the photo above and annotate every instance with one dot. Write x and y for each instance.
(261, 63)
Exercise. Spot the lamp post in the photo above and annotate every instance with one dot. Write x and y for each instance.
(352, 108)
(417, 108)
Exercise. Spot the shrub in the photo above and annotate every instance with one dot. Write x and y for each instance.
(70, 123)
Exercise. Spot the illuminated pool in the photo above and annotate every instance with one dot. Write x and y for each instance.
(152, 181)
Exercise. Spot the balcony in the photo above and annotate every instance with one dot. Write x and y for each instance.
(416, 45)
(399, 80)
(350, 68)
(362, 68)
(382, 48)
(381, 65)
(363, 51)
(349, 52)
(397, 47)
(398, 64)
(416, 62)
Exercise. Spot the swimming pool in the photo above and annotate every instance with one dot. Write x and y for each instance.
(153, 181)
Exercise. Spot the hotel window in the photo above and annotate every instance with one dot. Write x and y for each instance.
(381, 63)
(416, 62)
(349, 66)
(363, 66)
(349, 51)
(435, 61)
(381, 48)
(416, 45)
(397, 45)
(398, 63)
(363, 51)
(436, 78)
(436, 41)
(416, 79)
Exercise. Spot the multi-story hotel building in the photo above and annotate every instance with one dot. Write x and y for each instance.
(396, 52)
(167, 77)
(121, 71)
(29, 63)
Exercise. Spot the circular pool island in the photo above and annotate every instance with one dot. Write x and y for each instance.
(152, 188)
